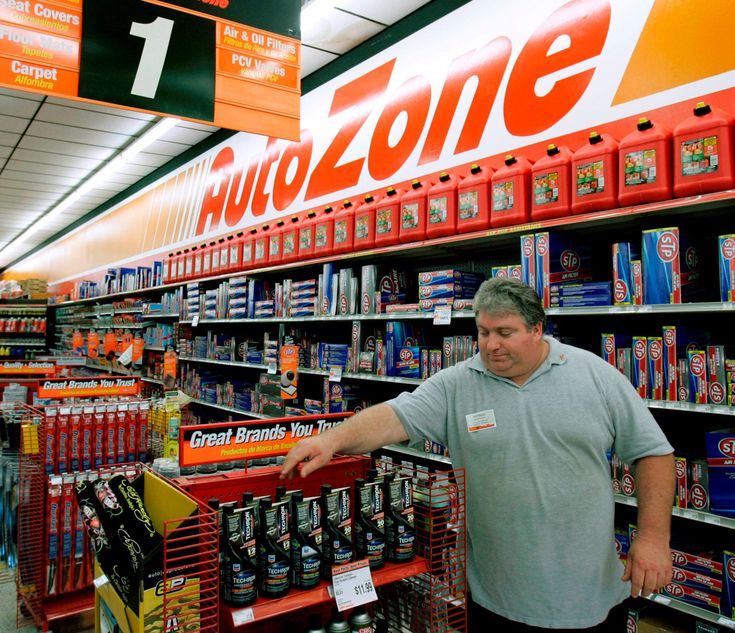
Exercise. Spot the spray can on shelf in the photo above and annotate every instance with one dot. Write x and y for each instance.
(360, 621)
(338, 624)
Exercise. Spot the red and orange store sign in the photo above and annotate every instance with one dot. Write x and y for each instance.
(99, 386)
(27, 367)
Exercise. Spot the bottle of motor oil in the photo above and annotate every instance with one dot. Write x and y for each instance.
(344, 228)
(552, 184)
(644, 169)
(275, 251)
(511, 197)
(703, 152)
(473, 200)
(274, 549)
(324, 233)
(365, 224)
(399, 527)
(338, 624)
(369, 523)
(306, 540)
(388, 218)
(442, 206)
(360, 621)
(595, 175)
(413, 214)
(240, 556)
(261, 247)
(336, 528)
(290, 240)
(306, 237)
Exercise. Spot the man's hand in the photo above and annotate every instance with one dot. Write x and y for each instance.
(308, 455)
(648, 567)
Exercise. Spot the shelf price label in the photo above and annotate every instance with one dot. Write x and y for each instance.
(443, 315)
(335, 373)
(353, 585)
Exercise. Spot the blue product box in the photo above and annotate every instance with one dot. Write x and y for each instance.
(721, 470)
(558, 260)
(695, 597)
(581, 288)
(500, 271)
(640, 365)
(449, 276)
(528, 260)
(727, 608)
(408, 362)
(698, 392)
(661, 269)
(578, 301)
(726, 250)
(610, 343)
(696, 580)
(623, 254)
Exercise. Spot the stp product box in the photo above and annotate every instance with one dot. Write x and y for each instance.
(623, 253)
(728, 595)
(721, 471)
(669, 343)
(695, 597)
(656, 367)
(528, 260)
(640, 365)
(682, 490)
(670, 267)
(716, 378)
(558, 260)
(610, 345)
(697, 375)
(702, 563)
(726, 251)
(696, 580)
(698, 482)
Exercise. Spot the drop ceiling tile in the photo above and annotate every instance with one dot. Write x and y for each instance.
(16, 106)
(76, 117)
(12, 183)
(12, 124)
(77, 135)
(186, 135)
(338, 32)
(31, 178)
(22, 95)
(166, 148)
(44, 169)
(50, 158)
(383, 11)
(134, 170)
(32, 199)
(8, 140)
(66, 148)
(312, 59)
(150, 160)
(93, 107)
(201, 127)
(5, 151)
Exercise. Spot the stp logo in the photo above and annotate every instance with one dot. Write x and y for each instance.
(570, 260)
(678, 558)
(680, 468)
(692, 258)
(674, 590)
(406, 354)
(636, 268)
(542, 244)
(503, 272)
(698, 497)
(726, 446)
(731, 569)
(668, 246)
(609, 345)
(628, 485)
(728, 248)
(426, 291)
(447, 349)
(425, 278)
(677, 575)
(716, 393)
(639, 349)
(669, 338)
(515, 272)
(621, 290)
(632, 626)
(528, 246)
(696, 364)
(655, 350)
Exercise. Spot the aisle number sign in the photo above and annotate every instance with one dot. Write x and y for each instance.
(33, 368)
(88, 387)
(235, 441)
(172, 58)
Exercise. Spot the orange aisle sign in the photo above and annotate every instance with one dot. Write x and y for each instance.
(134, 54)
(234, 441)
(89, 387)
(93, 344)
(35, 368)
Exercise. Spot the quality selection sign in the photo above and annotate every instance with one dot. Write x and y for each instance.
(89, 387)
(35, 368)
(233, 441)
(166, 58)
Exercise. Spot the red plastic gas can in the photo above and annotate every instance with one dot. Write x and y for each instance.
(552, 184)
(306, 236)
(365, 224)
(644, 165)
(167, 268)
(224, 256)
(275, 249)
(197, 265)
(511, 197)
(261, 246)
(179, 266)
(216, 248)
(206, 260)
(290, 241)
(703, 152)
(344, 228)
(248, 250)
(413, 213)
(442, 206)
(324, 233)
(473, 200)
(595, 175)
(235, 244)
(388, 218)
(188, 264)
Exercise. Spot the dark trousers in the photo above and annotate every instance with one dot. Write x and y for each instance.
(483, 621)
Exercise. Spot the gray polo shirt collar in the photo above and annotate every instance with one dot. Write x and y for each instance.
(556, 357)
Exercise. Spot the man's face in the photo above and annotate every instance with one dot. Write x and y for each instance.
(508, 348)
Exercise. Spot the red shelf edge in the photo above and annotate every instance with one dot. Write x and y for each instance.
(68, 605)
(298, 599)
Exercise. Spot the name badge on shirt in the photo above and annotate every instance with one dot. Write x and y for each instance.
(481, 420)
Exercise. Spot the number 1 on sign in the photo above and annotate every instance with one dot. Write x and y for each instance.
(157, 35)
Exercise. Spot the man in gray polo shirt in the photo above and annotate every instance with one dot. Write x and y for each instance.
(531, 419)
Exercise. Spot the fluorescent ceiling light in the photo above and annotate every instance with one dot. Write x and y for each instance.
(136, 147)
(314, 11)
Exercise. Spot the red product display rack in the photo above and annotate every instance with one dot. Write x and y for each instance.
(427, 594)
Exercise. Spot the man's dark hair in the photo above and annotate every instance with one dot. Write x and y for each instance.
(506, 295)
